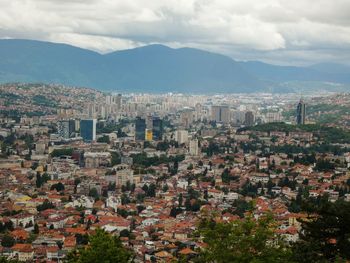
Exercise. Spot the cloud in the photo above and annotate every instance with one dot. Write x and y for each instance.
(281, 31)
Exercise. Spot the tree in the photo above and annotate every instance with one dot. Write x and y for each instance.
(242, 241)
(124, 233)
(59, 187)
(165, 188)
(38, 181)
(5, 260)
(93, 193)
(151, 190)
(7, 241)
(180, 199)
(116, 159)
(102, 248)
(325, 235)
(45, 205)
(104, 139)
(36, 229)
(62, 152)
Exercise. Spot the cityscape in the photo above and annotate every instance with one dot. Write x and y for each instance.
(150, 167)
(174, 131)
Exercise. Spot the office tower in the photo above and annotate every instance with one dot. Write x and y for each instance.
(301, 112)
(249, 118)
(187, 117)
(194, 149)
(181, 136)
(66, 128)
(88, 130)
(149, 135)
(72, 128)
(220, 113)
(149, 122)
(198, 112)
(92, 110)
(157, 129)
(114, 100)
(273, 117)
(63, 129)
(118, 101)
(238, 117)
(140, 129)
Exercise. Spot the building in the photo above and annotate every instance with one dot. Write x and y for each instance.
(273, 117)
(149, 135)
(249, 118)
(88, 130)
(181, 136)
(220, 113)
(157, 129)
(187, 117)
(301, 112)
(238, 117)
(97, 159)
(123, 175)
(63, 129)
(194, 149)
(72, 128)
(114, 100)
(140, 129)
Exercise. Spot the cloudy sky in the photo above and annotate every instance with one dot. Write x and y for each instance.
(276, 31)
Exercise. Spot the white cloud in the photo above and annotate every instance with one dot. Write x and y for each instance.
(265, 29)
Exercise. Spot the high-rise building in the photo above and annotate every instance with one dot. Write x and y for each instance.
(301, 112)
(273, 117)
(66, 128)
(72, 128)
(88, 130)
(220, 113)
(249, 118)
(140, 129)
(149, 135)
(238, 117)
(157, 129)
(194, 149)
(187, 117)
(63, 129)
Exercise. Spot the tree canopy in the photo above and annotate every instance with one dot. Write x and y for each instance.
(242, 241)
(102, 248)
(325, 235)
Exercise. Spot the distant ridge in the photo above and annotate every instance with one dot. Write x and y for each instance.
(153, 68)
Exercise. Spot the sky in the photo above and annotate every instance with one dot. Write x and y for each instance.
(287, 32)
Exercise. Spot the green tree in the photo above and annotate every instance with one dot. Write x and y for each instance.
(104, 139)
(7, 240)
(36, 229)
(325, 235)
(93, 193)
(242, 241)
(59, 187)
(102, 248)
(45, 205)
(5, 260)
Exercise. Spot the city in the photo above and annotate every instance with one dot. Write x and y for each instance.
(174, 131)
(149, 167)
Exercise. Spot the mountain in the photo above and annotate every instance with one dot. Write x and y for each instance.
(153, 68)
(327, 72)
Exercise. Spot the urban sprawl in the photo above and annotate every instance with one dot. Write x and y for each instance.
(149, 168)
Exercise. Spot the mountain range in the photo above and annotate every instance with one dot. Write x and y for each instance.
(158, 69)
